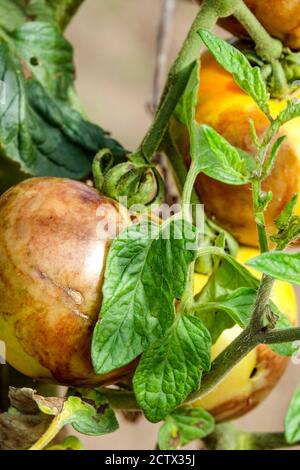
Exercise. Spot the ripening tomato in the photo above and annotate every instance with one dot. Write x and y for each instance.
(281, 18)
(254, 377)
(52, 259)
(226, 108)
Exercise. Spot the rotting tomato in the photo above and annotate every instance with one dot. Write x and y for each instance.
(226, 108)
(254, 377)
(52, 260)
(281, 18)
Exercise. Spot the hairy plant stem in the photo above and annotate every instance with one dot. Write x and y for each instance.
(64, 10)
(285, 335)
(221, 366)
(177, 79)
(227, 436)
(55, 427)
(262, 302)
(266, 47)
(225, 361)
(189, 185)
(259, 217)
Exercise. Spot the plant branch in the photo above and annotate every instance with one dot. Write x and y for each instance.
(189, 185)
(56, 425)
(285, 335)
(262, 303)
(266, 47)
(227, 436)
(163, 42)
(221, 366)
(259, 216)
(178, 78)
(225, 361)
(64, 10)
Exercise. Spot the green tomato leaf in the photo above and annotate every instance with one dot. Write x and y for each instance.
(224, 285)
(48, 56)
(248, 78)
(170, 369)
(217, 158)
(286, 215)
(69, 443)
(75, 412)
(186, 107)
(237, 305)
(11, 15)
(184, 426)
(229, 275)
(292, 111)
(269, 165)
(292, 419)
(278, 264)
(14, 13)
(146, 270)
(228, 299)
(40, 135)
(210, 152)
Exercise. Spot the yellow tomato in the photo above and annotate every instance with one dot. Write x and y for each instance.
(226, 108)
(254, 377)
(281, 18)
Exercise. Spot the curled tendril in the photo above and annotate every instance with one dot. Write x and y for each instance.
(288, 69)
(128, 176)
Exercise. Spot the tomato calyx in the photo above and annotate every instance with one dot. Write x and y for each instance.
(282, 76)
(131, 178)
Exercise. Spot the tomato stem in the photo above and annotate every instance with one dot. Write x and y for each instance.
(280, 86)
(259, 216)
(64, 10)
(179, 75)
(224, 363)
(227, 436)
(267, 48)
(52, 431)
(189, 186)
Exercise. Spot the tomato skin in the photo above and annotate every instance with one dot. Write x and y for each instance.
(52, 264)
(255, 376)
(226, 108)
(281, 18)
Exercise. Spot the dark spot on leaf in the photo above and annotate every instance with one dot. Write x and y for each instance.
(102, 408)
(253, 372)
(34, 61)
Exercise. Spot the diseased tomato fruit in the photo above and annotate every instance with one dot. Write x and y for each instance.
(52, 259)
(226, 108)
(254, 377)
(281, 18)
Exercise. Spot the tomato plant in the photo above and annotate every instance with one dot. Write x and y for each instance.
(99, 286)
(228, 109)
